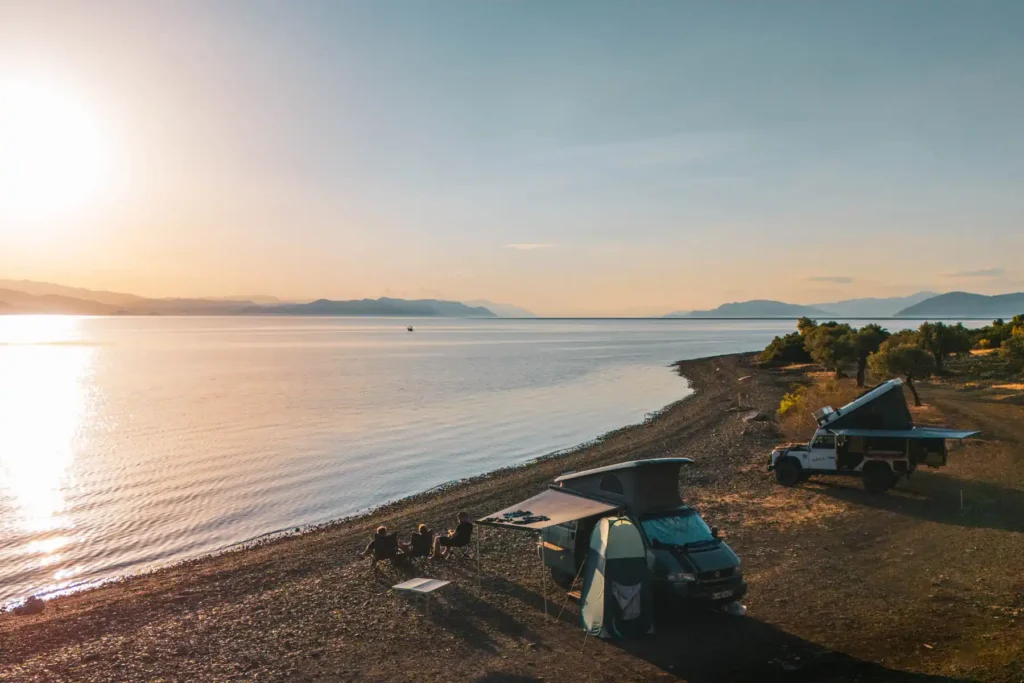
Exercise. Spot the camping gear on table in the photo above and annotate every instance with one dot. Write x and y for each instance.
(617, 600)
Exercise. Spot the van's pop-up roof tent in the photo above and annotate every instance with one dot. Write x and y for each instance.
(881, 411)
(640, 486)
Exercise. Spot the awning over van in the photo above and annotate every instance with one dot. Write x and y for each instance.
(915, 433)
(546, 509)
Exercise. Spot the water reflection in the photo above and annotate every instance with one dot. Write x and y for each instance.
(43, 376)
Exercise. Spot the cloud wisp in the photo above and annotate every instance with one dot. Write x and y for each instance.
(834, 279)
(984, 272)
(530, 246)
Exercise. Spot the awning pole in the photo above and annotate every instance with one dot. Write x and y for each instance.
(543, 578)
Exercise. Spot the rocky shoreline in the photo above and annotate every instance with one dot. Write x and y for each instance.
(306, 607)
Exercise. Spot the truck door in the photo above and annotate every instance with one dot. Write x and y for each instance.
(822, 455)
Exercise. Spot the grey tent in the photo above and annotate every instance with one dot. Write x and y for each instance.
(880, 407)
(640, 486)
(617, 600)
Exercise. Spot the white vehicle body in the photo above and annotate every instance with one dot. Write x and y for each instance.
(870, 437)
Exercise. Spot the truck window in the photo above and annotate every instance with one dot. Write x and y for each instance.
(612, 484)
(824, 441)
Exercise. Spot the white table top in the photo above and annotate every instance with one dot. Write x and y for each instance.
(419, 585)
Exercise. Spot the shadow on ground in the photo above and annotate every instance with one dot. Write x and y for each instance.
(501, 677)
(936, 497)
(708, 647)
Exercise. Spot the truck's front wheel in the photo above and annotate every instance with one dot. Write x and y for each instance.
(788, 472)
(878, 477)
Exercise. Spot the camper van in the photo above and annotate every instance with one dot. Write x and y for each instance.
(687, 557)
(872, 437)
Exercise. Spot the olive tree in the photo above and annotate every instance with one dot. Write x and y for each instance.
(805, 325)
(830, 346)
(866, 341)
(902, 360)
(942, 340)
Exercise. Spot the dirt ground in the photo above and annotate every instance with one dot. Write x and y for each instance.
(923, 583)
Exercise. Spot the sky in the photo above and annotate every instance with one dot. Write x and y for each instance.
(573, 158)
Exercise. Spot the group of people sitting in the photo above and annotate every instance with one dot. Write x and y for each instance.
(423, 543)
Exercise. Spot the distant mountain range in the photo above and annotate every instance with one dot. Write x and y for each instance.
(382, 306)
(26, 296)
(873, 308)
(920, 305)
(758, 308)
(78, 293)
(502, 310)
(967, 305)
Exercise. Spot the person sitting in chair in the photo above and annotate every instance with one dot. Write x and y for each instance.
(456, 538)
(383, 546)
(421, 542)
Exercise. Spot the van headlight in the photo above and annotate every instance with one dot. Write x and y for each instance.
(739, 569)
(682, 576)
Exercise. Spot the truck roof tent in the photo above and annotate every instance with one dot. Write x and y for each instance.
(881, 407)
(640, 485)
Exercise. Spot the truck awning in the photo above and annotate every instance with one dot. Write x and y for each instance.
(549, 508)
(915, 433)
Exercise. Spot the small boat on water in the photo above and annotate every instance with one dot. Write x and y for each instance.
(409, 328)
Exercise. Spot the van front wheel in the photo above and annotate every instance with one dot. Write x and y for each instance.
(878, 477)
(788, 472)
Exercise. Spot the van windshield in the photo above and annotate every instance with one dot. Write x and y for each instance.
(678, 528)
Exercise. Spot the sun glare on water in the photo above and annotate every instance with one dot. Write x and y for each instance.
(54, 157)
(43, 398)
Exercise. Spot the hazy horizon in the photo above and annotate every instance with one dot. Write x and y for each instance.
(623, 160)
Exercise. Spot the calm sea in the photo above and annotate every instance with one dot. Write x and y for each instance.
(127, 443)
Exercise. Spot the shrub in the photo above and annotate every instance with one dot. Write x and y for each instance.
(785, 350)
(1013, 349)
(794, 400)
(796, 407)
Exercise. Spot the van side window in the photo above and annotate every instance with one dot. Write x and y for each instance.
(612, 484)
(824, 441)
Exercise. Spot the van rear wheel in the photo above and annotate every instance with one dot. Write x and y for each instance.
(878, 477)
(788, 472)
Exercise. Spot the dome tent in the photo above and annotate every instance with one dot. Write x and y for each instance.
(617, 600)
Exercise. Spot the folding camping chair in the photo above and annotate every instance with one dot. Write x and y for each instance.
(386, 548)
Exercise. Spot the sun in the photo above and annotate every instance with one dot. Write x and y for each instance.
(54, 157)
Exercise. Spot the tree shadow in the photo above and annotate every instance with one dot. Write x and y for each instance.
(937, 498)
(706, 646)
(503, 677)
